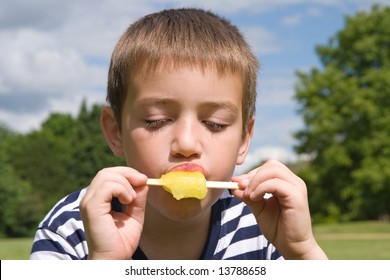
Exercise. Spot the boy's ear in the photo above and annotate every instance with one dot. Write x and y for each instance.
(243, 151)
(111, 130)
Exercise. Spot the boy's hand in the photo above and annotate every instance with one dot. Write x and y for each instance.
(114, 235)
(283, 218)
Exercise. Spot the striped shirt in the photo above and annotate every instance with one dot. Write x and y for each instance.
(234, 233)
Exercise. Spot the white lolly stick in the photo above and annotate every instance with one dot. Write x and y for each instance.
(221, 185)
(154, 182)
(209, 184)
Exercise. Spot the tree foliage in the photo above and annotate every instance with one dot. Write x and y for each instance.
(19, 209)
(345, 107)
(39, 168)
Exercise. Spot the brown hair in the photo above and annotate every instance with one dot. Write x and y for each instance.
(179, 37)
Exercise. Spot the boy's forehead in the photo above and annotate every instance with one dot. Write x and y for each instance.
(141, 81)
(171, 66)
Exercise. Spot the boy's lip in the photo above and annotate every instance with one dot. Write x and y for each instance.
(187, 166)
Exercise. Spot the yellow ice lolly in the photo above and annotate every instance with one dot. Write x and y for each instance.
(188, 184)
(183, 184)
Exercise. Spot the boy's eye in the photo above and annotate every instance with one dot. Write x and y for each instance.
(214, 127)
(154, 124)
(159, 123)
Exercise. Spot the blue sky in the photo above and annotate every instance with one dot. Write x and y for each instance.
(54, 53)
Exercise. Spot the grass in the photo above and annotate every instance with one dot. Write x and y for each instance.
(355, 241)
(15, 248)
(349, 241)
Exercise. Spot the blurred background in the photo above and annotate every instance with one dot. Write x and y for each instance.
(323, 107)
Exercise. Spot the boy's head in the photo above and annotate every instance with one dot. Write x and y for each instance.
(181, 37)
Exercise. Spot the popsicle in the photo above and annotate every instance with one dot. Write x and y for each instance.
(188, 184)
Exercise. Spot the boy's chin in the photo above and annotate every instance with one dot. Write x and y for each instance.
(182, 210)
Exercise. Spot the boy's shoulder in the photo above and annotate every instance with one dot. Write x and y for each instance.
(65, 209)
(60, 234)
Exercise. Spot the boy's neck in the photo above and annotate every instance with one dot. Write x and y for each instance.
(163, 238)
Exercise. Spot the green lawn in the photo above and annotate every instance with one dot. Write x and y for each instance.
(349, 241)
(355, 241)
(15, 248)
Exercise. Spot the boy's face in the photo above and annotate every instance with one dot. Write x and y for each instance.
(184, 119)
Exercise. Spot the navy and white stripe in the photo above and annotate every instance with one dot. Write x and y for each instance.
(234, 233)
(239, 235)
(61, 233)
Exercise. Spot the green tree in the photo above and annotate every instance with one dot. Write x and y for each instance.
(20, 208)
(345, 106)
(40, 167)
(63, 155)
(90, 150)
(43, 158)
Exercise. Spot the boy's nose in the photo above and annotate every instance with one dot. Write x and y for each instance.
(186, 137)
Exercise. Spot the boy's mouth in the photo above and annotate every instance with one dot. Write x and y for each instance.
(188, 167)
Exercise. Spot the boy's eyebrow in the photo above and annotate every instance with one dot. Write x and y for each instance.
(169, 101)
(225, 105)
(153, 101)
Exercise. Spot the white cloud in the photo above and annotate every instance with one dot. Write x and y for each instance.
(292, 20)
(22, 122)
(276, 130)
(367, 4)
(256, 6)
(314, 12)
(262, 41)
(265, 153)
(54, 53)
(276, 90)
(295, 19)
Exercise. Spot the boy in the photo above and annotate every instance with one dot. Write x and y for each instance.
(182, 93)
